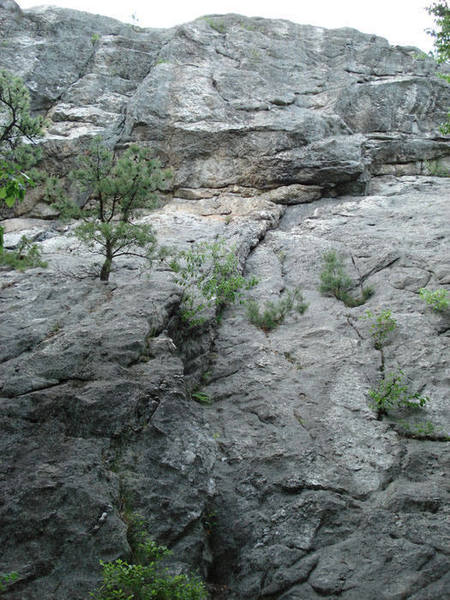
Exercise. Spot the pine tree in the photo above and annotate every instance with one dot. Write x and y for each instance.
(116, 187)
(18, 132)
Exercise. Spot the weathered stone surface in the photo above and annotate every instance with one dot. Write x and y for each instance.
(287, 485)
(230, 100)
(294, 194)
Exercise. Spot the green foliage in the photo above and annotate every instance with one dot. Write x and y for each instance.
(248, 26)
(420, 55)
(95, 38)
(393, 392)
(441, 34)
(383, 323)
(441, 13)
(143, 548)
(418, 430)
(433, 168)
(215, 24)
(117, 188)
(16, 124)
(334, 281)
(274, 313)
(6, 579)
(438, 299)
(12, 184)
(16, 121)
(445, 127)
(26, 256)
(202, 398)
(210, 276)
(55, 195)
(145, 579)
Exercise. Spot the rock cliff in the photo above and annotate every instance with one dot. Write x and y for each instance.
(287, 141)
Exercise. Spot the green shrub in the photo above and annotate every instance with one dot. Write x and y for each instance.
(202, 398)
(334, 281)
(434, 168)
(418, 430)
(438, 300)
(274, 313)
(382, 325)
(146, 579)
(352, 301)
(393, 392)
(26, 256)
(6, 579)
(209, 276)
(215, 24)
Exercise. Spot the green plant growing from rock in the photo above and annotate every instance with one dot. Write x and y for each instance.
(382, 325)
(202, 398)
(334, 281)
(145, 579)
(209, 276)
(26, 256)
(18, 134)
(434, 168)
(393, 392)
(215, 24)
(7, 579)
(274, 313)
(438, 299)
(116, 187)
(421, 431)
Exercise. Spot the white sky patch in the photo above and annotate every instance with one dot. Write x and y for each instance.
(400, 21)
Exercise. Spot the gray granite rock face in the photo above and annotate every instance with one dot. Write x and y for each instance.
(287, 486)
(229, 100)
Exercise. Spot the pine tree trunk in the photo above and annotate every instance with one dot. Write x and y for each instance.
(106, 269)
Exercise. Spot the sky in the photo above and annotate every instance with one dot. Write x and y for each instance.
(400, 21)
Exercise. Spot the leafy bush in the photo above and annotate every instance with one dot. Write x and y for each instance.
(274, 313)
(146, 579)
(6, 579)
(438, 300)
(334, 281)
(26, 256)
(382, 325)
(393, 392)
(209, 275)
(117, 188)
